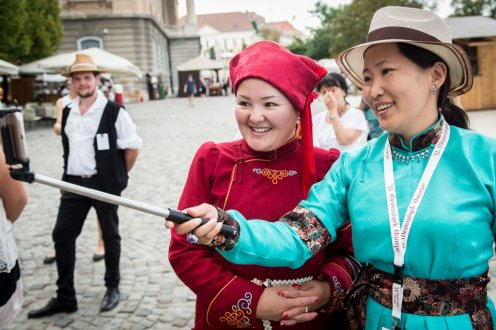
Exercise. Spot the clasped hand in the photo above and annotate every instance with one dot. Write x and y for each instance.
(292, 304)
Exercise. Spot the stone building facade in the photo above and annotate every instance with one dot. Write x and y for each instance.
(146, 32)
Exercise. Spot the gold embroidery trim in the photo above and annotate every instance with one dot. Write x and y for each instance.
(274, 175)
(238, 317)
(217, 295)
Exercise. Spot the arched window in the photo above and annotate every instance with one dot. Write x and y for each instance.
(89, 42)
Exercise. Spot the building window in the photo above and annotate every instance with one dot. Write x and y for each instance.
(89, 42)
(472, 55)
(471, 47)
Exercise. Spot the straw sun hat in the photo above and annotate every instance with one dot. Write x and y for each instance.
(412, 26)
(83, 62)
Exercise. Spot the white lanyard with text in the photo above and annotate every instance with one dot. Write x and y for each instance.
(399, 234)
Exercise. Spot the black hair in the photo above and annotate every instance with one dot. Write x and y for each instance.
(453, 114)
(333, 79)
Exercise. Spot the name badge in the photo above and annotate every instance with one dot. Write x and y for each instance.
(102, 142)
(397, 300)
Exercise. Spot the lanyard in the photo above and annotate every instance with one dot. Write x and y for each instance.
(399, 234)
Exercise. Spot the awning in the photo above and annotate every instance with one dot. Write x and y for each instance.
(106, 61)
(200, 63)
(7, 68)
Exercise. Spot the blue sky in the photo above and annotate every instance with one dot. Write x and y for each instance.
(294, 11)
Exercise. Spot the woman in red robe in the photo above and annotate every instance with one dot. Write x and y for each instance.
(264, 175)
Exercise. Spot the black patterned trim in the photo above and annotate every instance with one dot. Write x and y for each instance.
(221, 242)
(421, 141)
(310, 229)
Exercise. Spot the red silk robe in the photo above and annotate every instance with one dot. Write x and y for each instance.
(262, 185)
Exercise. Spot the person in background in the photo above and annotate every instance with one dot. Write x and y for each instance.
(60, 104)
(1, 98)
(421, 198)
(107, 88)
(64, 89)
(13, 198)
(149, 87)
(226, 86)
(264, 174)
(190, 89)
(375, 129)
(100, 146)
(118, 94)
(341, 126)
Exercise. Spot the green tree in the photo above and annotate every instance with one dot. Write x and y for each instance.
(345, 26)
(317, 47)
(474, 7)
(351, 26)
(13, 17)
(30, 30)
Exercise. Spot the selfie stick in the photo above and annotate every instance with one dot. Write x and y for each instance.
(12, 139)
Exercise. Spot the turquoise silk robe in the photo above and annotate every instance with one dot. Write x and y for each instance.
(451, 237)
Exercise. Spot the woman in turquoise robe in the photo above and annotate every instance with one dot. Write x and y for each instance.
(452, 233)
(451, 238)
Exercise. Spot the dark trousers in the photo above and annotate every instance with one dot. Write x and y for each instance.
(73, 210)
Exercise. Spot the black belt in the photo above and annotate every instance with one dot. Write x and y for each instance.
(79, 176)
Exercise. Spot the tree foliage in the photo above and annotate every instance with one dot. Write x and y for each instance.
(30, 29)
(474, 7)
(351, 27)
(318, 46)
(345, 26)
(268, 33)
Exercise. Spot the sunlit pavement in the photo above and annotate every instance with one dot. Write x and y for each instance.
(152, 297)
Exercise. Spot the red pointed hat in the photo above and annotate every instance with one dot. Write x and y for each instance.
(293, 75)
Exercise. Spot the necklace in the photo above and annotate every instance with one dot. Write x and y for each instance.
(409, 158)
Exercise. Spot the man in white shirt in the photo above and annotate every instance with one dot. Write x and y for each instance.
(100, 147)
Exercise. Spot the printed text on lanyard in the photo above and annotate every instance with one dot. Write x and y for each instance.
(399, 234)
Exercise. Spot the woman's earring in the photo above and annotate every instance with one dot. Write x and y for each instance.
(433, 90)
(298, 128)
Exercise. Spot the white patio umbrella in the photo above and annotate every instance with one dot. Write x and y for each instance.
(8, 68)
(51, 78)
(200, 63)
(106, 61)
(33, 68)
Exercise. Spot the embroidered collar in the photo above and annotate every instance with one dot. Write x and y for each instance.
(420, 141)
(282, 152)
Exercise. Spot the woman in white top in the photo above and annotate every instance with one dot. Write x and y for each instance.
(13, 198)
(341, 126)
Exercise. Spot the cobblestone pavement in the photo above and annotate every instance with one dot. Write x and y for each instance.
(152, 297)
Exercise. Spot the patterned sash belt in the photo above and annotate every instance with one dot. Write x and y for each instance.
(269, 283)
(421, 297)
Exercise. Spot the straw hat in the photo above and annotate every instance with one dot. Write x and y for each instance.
(293, 75)
(413, 26)
(83, 62)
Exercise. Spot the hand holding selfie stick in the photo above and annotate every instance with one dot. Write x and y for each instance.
(12, 138)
